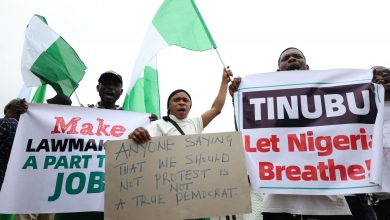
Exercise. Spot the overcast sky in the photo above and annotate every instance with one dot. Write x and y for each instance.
(250, 34)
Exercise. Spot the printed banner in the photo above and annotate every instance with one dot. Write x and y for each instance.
(176, 177)
(312, 132)
(57, 159)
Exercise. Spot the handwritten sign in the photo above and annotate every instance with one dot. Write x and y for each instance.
(176, 177)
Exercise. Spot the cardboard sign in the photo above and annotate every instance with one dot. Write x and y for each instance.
(176, 177)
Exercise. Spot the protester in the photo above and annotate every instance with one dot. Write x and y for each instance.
(8, 125)
(110, 89)
(176, 122)
(286, 207)
(59, 99)
(179, 105)
(381, 75)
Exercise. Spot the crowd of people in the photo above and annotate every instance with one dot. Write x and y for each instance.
(177, 122)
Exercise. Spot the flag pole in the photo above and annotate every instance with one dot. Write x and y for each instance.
(78, 99)
(224, 66)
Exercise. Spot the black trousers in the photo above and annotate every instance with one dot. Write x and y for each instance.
(382, 209)
(359, 207)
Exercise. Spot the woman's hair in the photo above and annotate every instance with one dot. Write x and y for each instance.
(174, 93)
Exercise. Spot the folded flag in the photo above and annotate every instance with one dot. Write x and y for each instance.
(177, 22)
(48, 59)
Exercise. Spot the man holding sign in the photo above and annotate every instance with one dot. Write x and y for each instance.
(278, 206)
(110, 89)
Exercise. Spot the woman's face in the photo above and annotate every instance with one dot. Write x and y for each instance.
(180, 105)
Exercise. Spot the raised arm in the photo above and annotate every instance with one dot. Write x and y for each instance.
(219, 101)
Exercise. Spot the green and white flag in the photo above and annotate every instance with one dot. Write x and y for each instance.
(48, 59)
(177, 22)
(39, 95)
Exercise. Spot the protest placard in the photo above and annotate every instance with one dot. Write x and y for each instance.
(312, 132)
(57, 158)
(176, 177)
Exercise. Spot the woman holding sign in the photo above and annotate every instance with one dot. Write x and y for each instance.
(176, 122)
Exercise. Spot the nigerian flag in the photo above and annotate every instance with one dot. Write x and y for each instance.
(39, 95)
(177, 22)
(48, 59)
